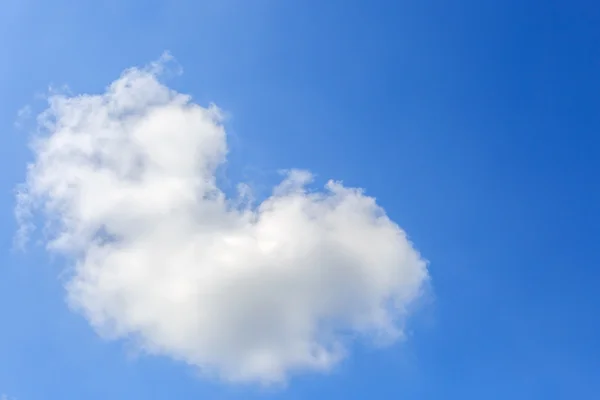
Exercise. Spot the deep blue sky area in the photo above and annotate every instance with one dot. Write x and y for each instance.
(475, 124)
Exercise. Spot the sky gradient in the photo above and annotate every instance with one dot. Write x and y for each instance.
(474, 125)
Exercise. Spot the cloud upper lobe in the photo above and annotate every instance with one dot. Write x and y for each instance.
(126, 183)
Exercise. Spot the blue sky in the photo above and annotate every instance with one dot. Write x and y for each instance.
(474, 124)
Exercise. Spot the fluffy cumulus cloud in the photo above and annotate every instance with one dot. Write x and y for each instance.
(125, 182)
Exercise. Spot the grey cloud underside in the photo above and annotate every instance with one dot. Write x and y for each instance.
(127, 179)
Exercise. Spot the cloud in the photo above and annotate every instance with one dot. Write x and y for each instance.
(125, 182)
(23, 114)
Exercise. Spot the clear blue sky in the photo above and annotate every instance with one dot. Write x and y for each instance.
(475, 124)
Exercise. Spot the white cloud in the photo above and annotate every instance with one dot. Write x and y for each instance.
(126, 182)
(23, 114)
